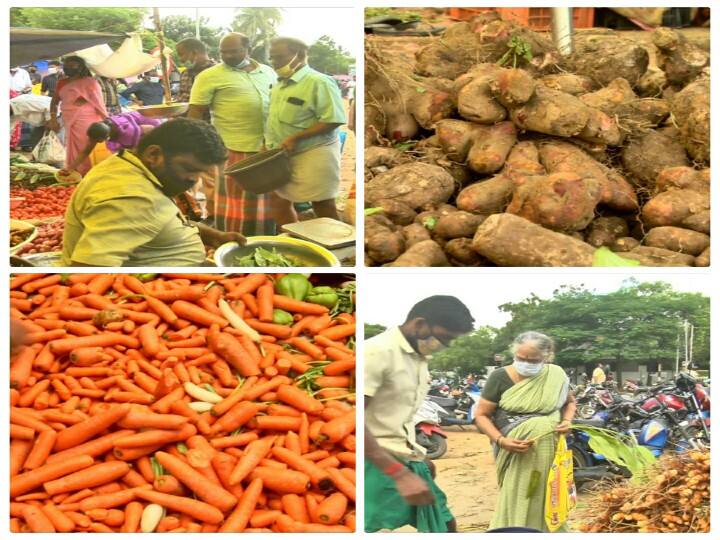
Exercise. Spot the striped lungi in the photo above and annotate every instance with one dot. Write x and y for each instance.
(237, 210)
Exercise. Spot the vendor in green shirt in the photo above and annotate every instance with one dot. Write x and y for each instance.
(122, 213)
(306, 110)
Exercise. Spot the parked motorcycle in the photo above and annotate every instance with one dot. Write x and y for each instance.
(428, 433)
(459, 410)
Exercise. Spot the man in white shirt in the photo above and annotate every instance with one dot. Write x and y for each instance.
(399, 487)
(20, 80)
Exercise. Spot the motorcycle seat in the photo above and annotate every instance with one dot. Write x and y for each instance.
(442, 401)
(593, 422)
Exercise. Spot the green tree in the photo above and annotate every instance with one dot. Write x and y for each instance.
(101, 19)
(638, 323)
(260, 26)
(17, 17)
(372, 330)
(179, 27)
(467, 354)
(327, 56)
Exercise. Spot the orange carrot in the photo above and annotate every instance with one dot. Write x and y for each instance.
(298, 306)
(194, 508)
(339, 332)
(318, 476)
(299, 399)
(304, 345)
(155, 436)
(237, 521)
(109, 500)
(41, 450)
(254, 454)
(295, 507)
(343, 485)
(331, 510)
(278, 423)
(195, 314)
(93, 448)
(276, 330)
(93, 476)
(337, 429)
(249, 285)
(23, 483)
(23, 432)
(79, 433)
(230, 350)
(60, 521)
(36, 520)
(282, 481)
(265, 295)
(133, 514)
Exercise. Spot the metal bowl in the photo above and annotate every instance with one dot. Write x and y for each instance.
(19, 225)
(51, 258)
(169, 110)
(311, 254)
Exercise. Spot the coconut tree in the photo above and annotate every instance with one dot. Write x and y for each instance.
(260, 25)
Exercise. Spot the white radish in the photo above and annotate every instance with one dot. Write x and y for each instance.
(236, 321)
(200, 406)
(201, 394)
(151, 517)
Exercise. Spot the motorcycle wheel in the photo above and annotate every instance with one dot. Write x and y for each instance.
(436, 446)
(586, 411)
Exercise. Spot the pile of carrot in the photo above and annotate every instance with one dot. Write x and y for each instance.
(175, 404)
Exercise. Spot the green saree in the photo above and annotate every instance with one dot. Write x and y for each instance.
(522, 477)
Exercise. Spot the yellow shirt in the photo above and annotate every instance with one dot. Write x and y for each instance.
(598, 376)
(397, 380)
(118, 216)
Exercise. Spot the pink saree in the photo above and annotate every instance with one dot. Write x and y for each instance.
(82, 104)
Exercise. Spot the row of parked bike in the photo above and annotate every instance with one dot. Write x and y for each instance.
(670, 416)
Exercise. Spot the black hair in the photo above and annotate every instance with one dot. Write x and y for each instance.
(84, 69)
(99, 131)
(54, 63)
(445, 311)
(186, 136)
(192, 44)
(295, 45)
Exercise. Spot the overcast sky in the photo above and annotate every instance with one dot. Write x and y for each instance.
(307, 23)
(389, 296)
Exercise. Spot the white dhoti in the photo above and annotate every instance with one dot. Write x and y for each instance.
(315, 174)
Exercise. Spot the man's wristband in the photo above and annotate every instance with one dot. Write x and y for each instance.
(393, 469)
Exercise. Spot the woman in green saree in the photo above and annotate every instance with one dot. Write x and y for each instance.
(520, 402)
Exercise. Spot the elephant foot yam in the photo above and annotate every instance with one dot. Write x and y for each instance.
(677, 239)
(524, 158)
(690, 109)
(476, 103)
(430, 106)
(414, 233)
(429, 217)
(509, 240)
(569, 83)
(376, 156)
(681, 60)
(456, 137)
(603, 56)
(425, 253)
(414, 184)
(699, 222)
(671, 208)
(618, 194)
(654, 256)
(683, 178)
(606, 231)
(459, 224)
(385, 246)
(609, 98)
(551, 112)
(513, 87)
(460, 252)
(647, 156)
(487, 196)
(490, 150)
(601, 128)
(624, 244)
(559, 201)
(397, 212)
(703, 259)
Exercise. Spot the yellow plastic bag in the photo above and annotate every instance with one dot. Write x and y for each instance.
(560, 494)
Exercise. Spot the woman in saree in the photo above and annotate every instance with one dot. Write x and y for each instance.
(520, 402)
(82, 104)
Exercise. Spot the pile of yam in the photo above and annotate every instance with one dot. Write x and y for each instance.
(495, 150)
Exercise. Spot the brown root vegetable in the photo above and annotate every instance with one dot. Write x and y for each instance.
(415, 233)
(671, 208)
(609, 98)
(460, 252)
(429, 106)
(625, 244)
(397, 211)
(647, 156)
(605, 231)
(374, 124)
(401, 127)
(654, 256)
(475, 101)
(376, 156)
(425, 253)
(509, 240)
(681, 60)
(414, 184)
(699, 222)
(490, 148)
(560, 201)
(603, 55)
(677, 239)
(551, 112)
(691, 111)
(616, 192)
(385, 246)
(429, 217)
(570, 83)
(513, 87)
(703, 259)
(683, 178)
(459, 224)
(652, 83)
(456, 137)
(487, 196)
(524, 158)
(601, 128)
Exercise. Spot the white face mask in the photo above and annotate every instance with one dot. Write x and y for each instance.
(430, 346)
(242, 65)
(527, 369)
(286, 71)
(154, 79)
(52, 70)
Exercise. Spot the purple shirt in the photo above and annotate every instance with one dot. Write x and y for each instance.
(129, 130)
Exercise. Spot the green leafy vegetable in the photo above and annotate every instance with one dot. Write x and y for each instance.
(263, 257)
(604, 257)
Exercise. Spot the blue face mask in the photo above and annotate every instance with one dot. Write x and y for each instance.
(527, 369)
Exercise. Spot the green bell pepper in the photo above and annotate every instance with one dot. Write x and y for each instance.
(325, 296)
(282, 317)
(295, 286)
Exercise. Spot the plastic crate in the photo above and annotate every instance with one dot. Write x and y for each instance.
(539, 19)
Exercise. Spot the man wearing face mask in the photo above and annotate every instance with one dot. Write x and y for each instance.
(20, 80)
(122, 213)
(193, 53)
(399, 488)
(306, 110)
(49, 81)
(147, 91)
(236, 93)
(520, 405)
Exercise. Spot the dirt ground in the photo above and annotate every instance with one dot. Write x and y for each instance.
(467, 476)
